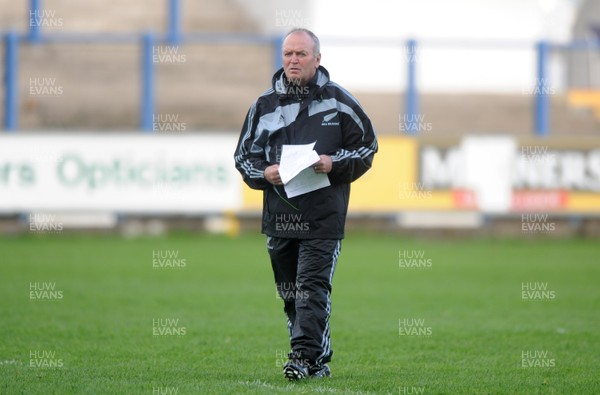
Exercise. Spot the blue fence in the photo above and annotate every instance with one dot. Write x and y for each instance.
(174, 36)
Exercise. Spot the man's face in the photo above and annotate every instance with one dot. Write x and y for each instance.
(299, 61)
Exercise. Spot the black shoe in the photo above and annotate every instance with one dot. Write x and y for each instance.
(319, 371)
(295, 370)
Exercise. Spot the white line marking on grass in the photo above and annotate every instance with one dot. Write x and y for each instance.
(11, 362)
(264, 384)
(294, 388)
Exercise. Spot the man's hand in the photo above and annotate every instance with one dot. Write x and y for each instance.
(272, 175)
(323, 165)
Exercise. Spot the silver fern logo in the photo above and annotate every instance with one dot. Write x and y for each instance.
(330, 120)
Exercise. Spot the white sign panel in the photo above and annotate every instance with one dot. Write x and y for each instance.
(132, 173)
(488, 170)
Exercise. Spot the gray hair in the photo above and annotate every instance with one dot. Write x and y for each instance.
(317, 44)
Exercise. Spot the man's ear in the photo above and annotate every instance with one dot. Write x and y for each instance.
(318, 60)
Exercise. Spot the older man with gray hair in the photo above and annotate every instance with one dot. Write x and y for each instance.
(304, 232)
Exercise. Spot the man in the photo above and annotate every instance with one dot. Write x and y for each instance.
(304, 232)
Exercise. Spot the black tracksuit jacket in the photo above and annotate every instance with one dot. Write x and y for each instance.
(323, 112)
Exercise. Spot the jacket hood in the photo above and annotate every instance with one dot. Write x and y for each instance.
(281, 83)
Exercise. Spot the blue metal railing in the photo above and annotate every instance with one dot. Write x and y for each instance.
(11, 98)
(147, 41)
(542, 100)
(35, 27)
(277, 52)
(174, 36)
(412, 97)
(174, 22)
(147, 102)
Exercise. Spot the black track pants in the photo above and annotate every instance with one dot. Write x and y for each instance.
(303, 271)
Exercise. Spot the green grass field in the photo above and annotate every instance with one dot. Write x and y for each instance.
(222, 330)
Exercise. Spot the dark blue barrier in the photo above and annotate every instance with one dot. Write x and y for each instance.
(542, 99)
(11, 81)
(147, 102)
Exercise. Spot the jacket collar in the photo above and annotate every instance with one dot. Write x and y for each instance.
(285, 90)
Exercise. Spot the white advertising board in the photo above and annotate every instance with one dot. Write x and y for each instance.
(129, 173)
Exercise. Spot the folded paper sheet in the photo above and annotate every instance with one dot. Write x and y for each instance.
(295, 171)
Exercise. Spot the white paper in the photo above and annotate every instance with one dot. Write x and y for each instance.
(296, 172)
(306, 181)
(294, 159)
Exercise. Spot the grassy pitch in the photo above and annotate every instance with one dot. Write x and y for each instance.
(98, 314)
